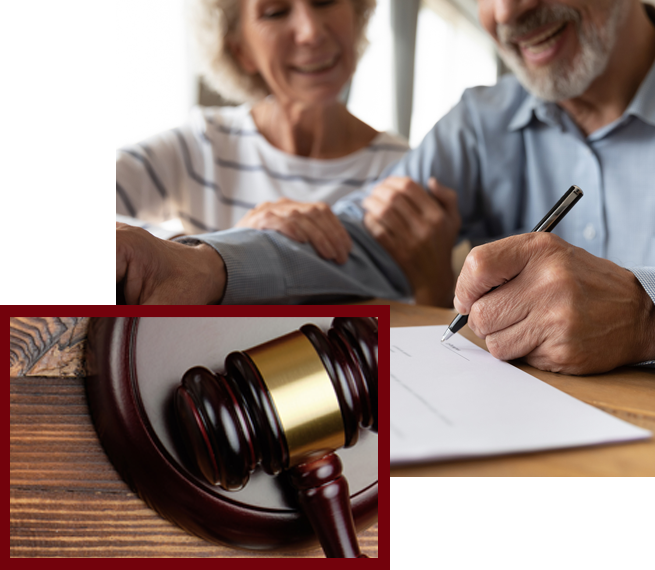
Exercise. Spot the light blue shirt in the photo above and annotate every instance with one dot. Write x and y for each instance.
(510, 156)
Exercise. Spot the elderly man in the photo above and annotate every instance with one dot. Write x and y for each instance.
(579, 110)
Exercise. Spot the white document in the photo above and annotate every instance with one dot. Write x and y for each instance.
(455, 400)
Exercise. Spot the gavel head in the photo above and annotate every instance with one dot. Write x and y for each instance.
(282, 403)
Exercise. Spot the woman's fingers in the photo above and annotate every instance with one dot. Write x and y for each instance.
(312, 222)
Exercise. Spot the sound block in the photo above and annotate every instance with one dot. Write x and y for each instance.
(134, 364)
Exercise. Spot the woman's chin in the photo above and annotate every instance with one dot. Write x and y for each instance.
(319, 97)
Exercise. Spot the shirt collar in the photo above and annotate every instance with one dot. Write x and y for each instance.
(533, 106)
(641, 106)
(643, 103)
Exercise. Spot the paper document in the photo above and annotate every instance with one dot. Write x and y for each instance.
(455, 400)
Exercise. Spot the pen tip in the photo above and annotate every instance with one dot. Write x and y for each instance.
(446, 335)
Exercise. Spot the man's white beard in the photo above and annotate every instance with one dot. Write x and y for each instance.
(564, 79)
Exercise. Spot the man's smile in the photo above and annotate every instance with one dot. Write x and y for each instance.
(542, 40)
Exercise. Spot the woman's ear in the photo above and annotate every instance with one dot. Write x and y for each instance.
(241, 55)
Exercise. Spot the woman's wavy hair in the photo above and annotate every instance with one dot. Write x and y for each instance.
(214, 21)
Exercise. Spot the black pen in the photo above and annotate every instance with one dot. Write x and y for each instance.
(550, 220)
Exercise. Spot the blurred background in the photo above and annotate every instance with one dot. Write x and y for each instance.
(422, 55)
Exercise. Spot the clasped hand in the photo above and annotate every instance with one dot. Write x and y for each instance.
(418, 229)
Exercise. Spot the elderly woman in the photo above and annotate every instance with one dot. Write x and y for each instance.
(286, 62)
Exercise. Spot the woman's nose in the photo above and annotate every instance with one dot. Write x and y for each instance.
(308, 26)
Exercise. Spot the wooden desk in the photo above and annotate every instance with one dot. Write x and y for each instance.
(65, 498)
(627, 393)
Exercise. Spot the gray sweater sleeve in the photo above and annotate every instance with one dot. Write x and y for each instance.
(265, 267)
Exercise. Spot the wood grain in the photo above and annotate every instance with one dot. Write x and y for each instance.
(46, 346)
(65, 498)
(628, 393)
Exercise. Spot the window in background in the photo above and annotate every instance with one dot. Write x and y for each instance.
(371, 93)
(451, 54)
(155, 84)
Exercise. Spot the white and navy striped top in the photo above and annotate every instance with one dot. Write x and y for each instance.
(210, 172)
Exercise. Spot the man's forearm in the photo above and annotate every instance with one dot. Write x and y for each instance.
(267, 267)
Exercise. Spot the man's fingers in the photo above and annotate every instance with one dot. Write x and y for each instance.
(392, 218)
(516, 341)
(447, 197)
(382, 234)
(121, 265)
(493, 264)
(411, 202)
(510, 303)
(121, 256)
(404, 192)
(133, 285)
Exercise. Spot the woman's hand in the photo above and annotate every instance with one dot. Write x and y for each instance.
(419, 230)
(312, 222)
(152, 271)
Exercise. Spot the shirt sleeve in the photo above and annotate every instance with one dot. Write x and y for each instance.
(149, 177)
(646, 276)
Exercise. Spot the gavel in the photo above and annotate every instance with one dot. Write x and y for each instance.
(287, 405)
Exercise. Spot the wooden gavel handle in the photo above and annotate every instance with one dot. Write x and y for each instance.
(324, 498)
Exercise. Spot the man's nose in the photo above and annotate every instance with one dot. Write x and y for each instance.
(509, 11)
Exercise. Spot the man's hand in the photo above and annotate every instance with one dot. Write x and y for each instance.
(419, 230)
(159, 272)
(312, 222)
(559, 307)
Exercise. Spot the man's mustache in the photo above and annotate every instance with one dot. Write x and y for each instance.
(541, 16)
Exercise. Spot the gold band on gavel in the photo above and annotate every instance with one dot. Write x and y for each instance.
(302, 393)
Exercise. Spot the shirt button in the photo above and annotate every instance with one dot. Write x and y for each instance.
(589, 232)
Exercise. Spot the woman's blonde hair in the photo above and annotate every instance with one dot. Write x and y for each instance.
(214, 21)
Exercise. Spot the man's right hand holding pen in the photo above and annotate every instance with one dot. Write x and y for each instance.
(560, 308)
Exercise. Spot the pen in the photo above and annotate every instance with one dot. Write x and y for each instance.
(547, 224)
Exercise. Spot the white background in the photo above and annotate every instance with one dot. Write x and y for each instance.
(565, 523)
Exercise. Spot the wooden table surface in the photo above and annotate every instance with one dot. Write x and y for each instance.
(65, 498)
(627, 393)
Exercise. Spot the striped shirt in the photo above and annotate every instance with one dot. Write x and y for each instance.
(210, 172)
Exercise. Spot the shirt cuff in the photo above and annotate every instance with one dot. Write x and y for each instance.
(252, 276)
(646, 276)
